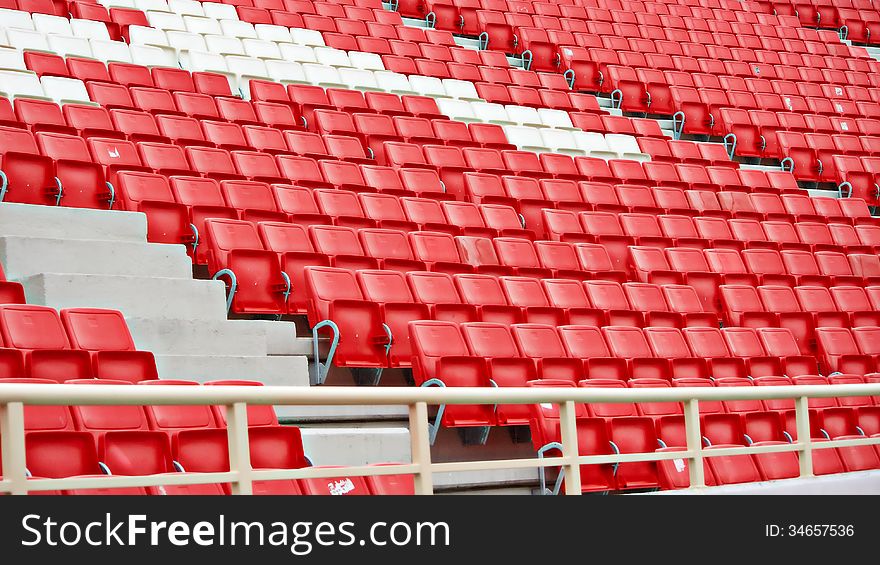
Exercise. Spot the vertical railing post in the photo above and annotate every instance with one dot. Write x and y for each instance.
(420, 447)
(802, 421)
(568, 429)
(239, 448)
(694, 442)
(12, 446)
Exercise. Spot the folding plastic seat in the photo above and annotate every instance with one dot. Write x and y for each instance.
(610, 297)
(781, 342)
(709, 344)
(397, 306)
(571, 297)
(743, 307)
(837, 266)
(854, 300)
(839, 352)
(236, 252)
(343, 207)
(203, 199)
(488, 188)
(29, 177)
(494, 343)
(744, 343)
(343, 247)
(486, 293)
(842, 423)
(167, 221)
(520, 255)
(649, 264)
(685, 301)
(480, 254)
(588, 344)
(105, 335)
(644, 229)
(441, 353)
(337, 297)
(439, 252)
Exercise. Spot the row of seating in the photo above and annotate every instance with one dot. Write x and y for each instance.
(857, 23)
(475, 353)
(11, 292)
(712, 98)
(80, 343)
(790, 267)
(707, 270)
(155, 440)
(701, 232)
(635, 434)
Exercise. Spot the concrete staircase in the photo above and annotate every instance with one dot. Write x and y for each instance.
(67, 257)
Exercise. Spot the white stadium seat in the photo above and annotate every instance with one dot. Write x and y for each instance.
(561, 141)
(108, 51)
(63, 89)
(166, 21)
(261, 49)
(288, 72)
(269, 32)
(186, 7)
(219, 11)
(368, 61)
(523, 115)
(307, 37)
(238, 28)
(461, 89)
(626, 146)
(224, 45)
(52, 24)
(322, 75)
(428, 86)
(492, 113)
(70, 46)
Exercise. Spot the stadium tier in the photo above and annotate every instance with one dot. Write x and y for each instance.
(453, 193)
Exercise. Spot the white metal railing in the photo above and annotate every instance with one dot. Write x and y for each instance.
(13, 398)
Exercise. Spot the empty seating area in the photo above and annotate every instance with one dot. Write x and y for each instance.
(745, 72)
(158, 440)
(433, 209)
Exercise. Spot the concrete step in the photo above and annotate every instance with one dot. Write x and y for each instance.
(467, 42)
(824, 193)
(174, 336)
(357, 446)
(414, 22)
(334, 413)
(281, 338)
(25, 256)
(281, 370)
(760, 167)
(477, 479)
(136, 297)
(71, 223)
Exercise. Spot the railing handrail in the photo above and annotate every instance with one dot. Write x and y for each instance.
(70, 395)
(14, 397)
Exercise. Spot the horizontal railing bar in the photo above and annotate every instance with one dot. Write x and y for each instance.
(854, 442)
(334, 473)
(122, 481)
(61, 394)
(119, 481)
(494, 464)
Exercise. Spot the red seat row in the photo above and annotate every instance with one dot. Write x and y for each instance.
(81, 343)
